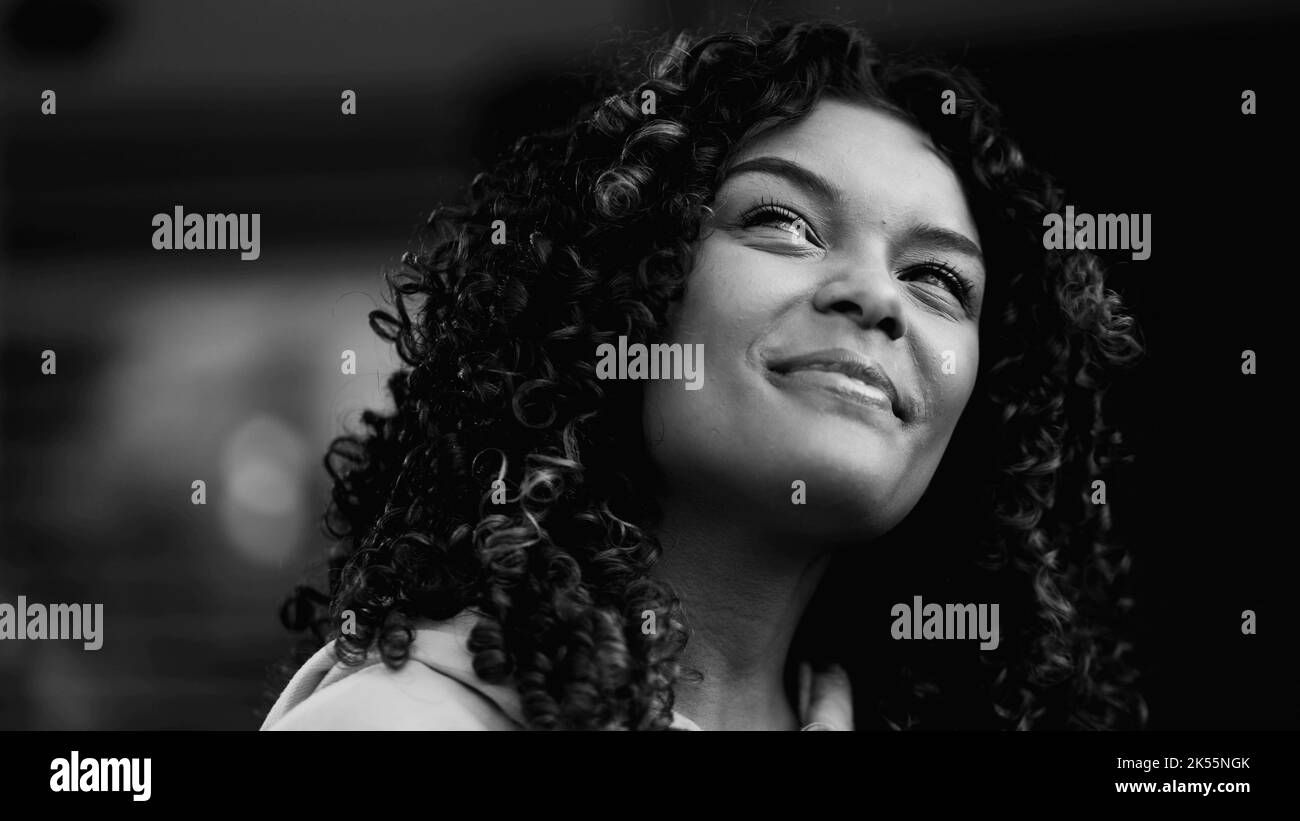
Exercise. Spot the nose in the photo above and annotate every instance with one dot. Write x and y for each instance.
(868, 293)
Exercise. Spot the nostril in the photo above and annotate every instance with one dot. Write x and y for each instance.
(892, 327)
(890, 323)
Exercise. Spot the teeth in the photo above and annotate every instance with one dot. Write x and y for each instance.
(855, 385)
(868, 390)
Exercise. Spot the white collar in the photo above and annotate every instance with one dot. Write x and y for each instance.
(442, 646)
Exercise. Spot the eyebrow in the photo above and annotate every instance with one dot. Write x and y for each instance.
(943, 239)
(792, 171)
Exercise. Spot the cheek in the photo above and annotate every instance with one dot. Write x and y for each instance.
(952, 366)
(733, 285)
(730, 296)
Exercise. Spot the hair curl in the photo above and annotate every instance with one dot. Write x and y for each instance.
(499, 391)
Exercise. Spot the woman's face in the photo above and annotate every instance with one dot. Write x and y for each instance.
(836, 292)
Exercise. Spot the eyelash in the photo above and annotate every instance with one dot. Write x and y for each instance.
(768, 208)
(960, 286)
(957, 283)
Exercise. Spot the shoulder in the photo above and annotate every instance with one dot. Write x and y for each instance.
(410, 697)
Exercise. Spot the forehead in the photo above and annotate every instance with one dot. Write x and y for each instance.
(884, 167)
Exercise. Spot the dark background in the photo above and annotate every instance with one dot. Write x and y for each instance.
(175, 367)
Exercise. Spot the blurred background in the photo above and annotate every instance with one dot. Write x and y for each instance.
(174, 367)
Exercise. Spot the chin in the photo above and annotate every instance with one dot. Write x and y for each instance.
(844, 499)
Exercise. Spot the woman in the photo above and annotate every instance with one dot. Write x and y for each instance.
(900, 397)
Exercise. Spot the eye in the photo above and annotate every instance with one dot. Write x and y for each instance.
(785, 219)
(946, 276)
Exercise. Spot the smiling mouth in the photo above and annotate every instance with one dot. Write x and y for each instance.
(842, 374)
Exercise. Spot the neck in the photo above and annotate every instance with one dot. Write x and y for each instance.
(743, 593)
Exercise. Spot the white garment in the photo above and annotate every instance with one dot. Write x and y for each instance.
(307, 703)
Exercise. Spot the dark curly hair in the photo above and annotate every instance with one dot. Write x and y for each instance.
(499, 383)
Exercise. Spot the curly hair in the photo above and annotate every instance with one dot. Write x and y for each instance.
(499, 391)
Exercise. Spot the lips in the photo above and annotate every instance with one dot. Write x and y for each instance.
(865, 381)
